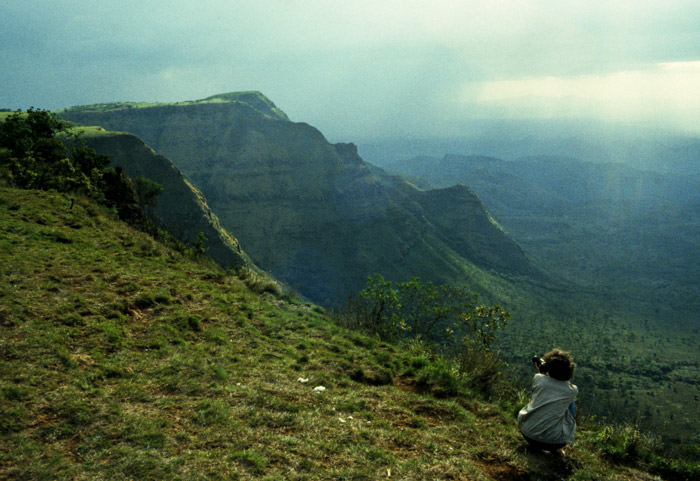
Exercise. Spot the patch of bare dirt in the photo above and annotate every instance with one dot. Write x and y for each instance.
(498, 468)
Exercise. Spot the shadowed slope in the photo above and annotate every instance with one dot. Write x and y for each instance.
(180, 208)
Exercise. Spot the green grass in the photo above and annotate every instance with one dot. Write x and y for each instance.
(122, 359)
(251, 97)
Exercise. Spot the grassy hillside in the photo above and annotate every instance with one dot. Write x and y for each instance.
(121, 359)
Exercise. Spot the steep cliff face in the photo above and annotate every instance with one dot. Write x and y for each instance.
(180, 208)
(466, 226)
(312, 213)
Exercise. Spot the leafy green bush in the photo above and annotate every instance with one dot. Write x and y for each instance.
(39, 159)
(625, 443)
(440, 377)
(34, 154)
(445, 319)
(147, 191)
(443, 315)
(481, 369)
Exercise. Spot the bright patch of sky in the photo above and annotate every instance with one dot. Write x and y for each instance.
(364, 68)
(669, 92)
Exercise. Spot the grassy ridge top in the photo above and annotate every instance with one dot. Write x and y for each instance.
(122, 359)
(253, 98)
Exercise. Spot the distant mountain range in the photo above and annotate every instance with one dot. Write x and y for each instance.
(597, 223)
(313, 214)
(633, 145)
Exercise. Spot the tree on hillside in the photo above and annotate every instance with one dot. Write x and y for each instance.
(34, 155)
(147, 191)
(443, 315)
(448, 319)
(37, 158)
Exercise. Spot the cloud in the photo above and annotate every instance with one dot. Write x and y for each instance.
(665, 92)
(351, 68)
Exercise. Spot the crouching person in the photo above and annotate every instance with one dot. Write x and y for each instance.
(547, 422)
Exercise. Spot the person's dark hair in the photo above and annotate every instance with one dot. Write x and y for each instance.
(559, 364)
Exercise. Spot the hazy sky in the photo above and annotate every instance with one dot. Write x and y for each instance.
(357, 68)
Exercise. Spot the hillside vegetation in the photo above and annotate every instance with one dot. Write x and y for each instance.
(123, 359)
(180, 208)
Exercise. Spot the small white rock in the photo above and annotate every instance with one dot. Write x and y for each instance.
(319, 389)
(303, 379)
(342, 420)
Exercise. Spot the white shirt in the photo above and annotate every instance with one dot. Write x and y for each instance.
(547, 418)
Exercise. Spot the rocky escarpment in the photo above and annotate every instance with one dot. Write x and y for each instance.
(312, 213)
(467, 227)
(181, 208)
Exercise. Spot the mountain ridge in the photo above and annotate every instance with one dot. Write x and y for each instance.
(252, 98)
(314, 214)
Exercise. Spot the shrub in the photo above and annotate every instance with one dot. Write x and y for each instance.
(147, 191)
(374, 309)
(440, 377)
(624, 443)
(199, 247)
(416, 310)
(481, 369)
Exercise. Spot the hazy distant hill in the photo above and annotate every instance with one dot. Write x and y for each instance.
(635, 146)
(640, 224)
(314, 214)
